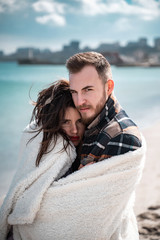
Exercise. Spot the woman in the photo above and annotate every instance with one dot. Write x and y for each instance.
(54, 135)
(55, 114)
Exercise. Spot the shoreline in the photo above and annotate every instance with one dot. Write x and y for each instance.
(148, 191)
(147, 203)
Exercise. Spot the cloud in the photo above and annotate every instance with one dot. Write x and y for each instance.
(48, 6)
(12, 5)
(149, 9)
(53, 19)
(54, 12)
(93, 7)
(146, 10)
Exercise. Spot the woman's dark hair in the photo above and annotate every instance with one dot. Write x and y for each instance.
(49, 113)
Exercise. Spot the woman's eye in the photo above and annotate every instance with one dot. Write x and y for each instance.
(66, 122)
(72, 91)
(79, 120)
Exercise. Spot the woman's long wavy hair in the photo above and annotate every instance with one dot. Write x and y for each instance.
(49, 112)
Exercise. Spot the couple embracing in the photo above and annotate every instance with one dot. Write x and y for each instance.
(81, 160)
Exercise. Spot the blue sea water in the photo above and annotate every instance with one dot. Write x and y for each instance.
(137, 89)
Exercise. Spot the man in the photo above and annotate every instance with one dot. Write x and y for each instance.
(109, 130)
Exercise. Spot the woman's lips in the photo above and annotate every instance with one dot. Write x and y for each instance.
(74, 138)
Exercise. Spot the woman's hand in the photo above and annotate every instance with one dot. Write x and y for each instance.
(81, 166)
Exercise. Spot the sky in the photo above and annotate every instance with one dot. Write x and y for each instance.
(55, 23)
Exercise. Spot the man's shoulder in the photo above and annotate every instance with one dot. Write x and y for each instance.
(115, 137)
(120, 135)
(120, 124)
(123, 143)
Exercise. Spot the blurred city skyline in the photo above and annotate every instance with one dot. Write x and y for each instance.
(52, 24)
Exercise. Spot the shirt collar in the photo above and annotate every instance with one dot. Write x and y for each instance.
(111, 108)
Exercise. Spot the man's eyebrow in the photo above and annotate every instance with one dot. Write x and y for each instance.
(87, 87)
(82, 88)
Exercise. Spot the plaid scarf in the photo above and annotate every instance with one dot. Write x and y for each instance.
(111, 133)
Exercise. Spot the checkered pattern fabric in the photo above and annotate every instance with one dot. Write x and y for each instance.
(111, 133)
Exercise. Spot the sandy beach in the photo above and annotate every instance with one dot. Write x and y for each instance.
(147, 205)
(148, 191)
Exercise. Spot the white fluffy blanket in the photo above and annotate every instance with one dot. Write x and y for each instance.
(94, 203)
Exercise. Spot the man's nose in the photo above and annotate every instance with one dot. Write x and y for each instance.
(80, 100)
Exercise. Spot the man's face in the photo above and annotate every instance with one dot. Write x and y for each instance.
(89, 92)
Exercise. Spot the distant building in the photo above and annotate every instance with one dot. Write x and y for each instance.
(140, 55)
(112, 57)
(157, 43)
(131, 44)
(1, 54)
(135, 51)
(142, 42)
(87, 49)
(46, 51)
(73, 47)
(108, 47)
(27, 52)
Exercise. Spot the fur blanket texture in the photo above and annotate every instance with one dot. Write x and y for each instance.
(93, 203)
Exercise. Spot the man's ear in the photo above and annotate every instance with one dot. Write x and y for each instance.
(110, 86)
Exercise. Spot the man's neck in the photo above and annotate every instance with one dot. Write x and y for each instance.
(110, 109)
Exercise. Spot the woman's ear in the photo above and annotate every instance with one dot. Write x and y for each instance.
(110, 86)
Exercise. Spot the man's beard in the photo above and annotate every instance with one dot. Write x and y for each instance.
(97, 110)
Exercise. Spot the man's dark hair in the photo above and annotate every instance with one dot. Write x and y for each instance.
(78, 61)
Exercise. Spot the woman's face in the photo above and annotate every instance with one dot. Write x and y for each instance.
(73, 126)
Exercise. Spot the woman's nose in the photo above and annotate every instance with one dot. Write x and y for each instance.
(74, 129)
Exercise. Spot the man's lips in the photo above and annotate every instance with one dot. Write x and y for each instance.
(83, 109)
